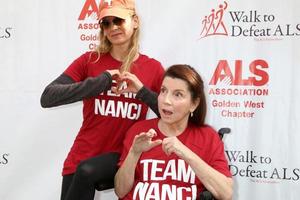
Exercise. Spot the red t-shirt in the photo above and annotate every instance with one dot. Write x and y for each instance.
(158, 176)
(107, 117)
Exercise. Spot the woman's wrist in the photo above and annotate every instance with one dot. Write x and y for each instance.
(134, 153)
(139, 87)
(186, 154)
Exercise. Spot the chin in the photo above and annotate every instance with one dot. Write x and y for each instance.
(118, 40)
(167, 120)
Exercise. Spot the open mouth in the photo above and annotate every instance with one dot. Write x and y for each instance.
(167, 112)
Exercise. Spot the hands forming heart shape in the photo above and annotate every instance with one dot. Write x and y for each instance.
(126, 82)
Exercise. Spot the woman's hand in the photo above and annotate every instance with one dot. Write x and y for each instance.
(125, 177)
(115, 73)
(133, 83)
(116, 76)
(143, 142)
(173, 145)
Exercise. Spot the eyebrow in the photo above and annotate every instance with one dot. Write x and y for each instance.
(179, 90)
(176, 90)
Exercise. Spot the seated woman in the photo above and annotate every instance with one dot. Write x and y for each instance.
(175, 156)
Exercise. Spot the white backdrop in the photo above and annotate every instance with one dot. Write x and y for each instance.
(248, 53)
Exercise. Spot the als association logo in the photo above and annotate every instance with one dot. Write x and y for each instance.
(247, 23)
(88, 26)
(241, 82)
(223, 73)
(5, 32)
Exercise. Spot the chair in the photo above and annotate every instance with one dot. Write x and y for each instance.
(205, 195)
(223, 131)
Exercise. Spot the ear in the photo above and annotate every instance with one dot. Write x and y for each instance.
(135, 21)
(195, 104)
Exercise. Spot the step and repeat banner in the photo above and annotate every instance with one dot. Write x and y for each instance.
(248, 53)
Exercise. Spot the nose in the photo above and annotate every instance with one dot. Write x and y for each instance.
(166, 99)
(113, 26)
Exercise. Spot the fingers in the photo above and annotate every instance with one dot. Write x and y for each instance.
(126, 82)
(167, 147)
(118, 90)
(155, 143)
(122, 84)
(124, 75)
(122, 91)
(141, 137)
(133, 79)
(143, 141)
(114, 90)
(129, 76)
(171, 145)
(152, 132)
(146, 135)
(114, 72)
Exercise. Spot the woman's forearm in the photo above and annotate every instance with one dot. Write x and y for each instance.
(124, 178)
(148, 97)
(215, 182)
(64, 90)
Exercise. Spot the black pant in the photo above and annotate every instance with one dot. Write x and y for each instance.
(89, 173)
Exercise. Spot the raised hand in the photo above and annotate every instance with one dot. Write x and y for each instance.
(133, 83)
(173, 145)
(143, 142)
(116, 76)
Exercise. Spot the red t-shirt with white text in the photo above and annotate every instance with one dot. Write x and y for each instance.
(158, 176)
(108, 116)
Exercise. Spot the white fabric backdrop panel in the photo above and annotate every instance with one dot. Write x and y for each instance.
(240, 48)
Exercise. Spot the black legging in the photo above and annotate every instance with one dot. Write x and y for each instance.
(81, 185)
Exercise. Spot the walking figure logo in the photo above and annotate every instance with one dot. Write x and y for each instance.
(213, 24)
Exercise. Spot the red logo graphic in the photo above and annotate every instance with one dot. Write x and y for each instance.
(224, 76)
(89, 9)
(213, 24)
(88, 26)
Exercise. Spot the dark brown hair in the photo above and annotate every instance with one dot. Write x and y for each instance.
(195, 86)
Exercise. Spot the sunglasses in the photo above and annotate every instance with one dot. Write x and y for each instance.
(105, 23)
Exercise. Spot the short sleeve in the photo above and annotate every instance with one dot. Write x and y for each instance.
(77, 70)
(130, 134)
(159, 77)
(218, 160)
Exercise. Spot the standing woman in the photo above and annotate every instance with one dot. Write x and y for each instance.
(115, 83)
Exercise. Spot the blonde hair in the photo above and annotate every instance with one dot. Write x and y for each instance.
(105, 46)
